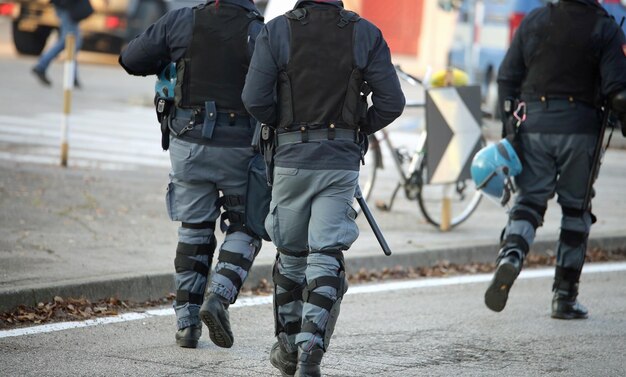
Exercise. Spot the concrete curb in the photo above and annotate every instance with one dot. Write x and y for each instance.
(158, 285)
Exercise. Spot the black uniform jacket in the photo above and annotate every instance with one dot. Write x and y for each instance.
(371, 55)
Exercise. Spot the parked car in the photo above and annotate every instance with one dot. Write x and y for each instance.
(112, 25)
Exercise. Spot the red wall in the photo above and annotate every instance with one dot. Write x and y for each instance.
(401, 23)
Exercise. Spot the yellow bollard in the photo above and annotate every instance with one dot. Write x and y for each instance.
(448, 77)
(68, 84)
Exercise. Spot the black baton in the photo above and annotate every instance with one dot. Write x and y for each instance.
(370, 219)
(597, 159)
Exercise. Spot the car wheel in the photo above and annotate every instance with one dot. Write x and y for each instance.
(30, 42)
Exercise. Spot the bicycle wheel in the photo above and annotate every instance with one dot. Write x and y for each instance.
(463, 200)
(367, 174)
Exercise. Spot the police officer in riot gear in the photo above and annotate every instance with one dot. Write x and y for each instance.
(565, 64)
(310, 70)
(210, 150)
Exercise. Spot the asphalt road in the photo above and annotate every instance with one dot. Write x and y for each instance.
(429, 327)
(435, 328)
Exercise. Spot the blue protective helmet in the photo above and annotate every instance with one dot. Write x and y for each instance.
(166, 81)
(492, 170)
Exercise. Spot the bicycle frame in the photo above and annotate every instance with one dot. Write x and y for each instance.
(414, 166)
(412, 176)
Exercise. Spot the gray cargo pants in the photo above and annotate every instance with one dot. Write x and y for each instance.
(561, 164)
(311, 222)
(199, 172)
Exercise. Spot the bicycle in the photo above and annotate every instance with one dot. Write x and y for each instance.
(442, 205)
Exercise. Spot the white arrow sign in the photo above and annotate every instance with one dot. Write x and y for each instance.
(466, 134)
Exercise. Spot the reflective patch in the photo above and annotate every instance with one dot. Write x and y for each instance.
(624, 49)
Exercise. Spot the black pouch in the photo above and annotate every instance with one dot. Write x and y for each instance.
(258, 197)
(267, 145)
(510, 124)
(210, 118)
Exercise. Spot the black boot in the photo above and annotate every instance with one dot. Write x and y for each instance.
(564, 302)
(188, 337)
(309, 362)
(41, 76)
(283, 361)
(214, 314)
(509, 265)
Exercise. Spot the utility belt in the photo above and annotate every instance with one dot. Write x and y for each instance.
(555, 102)
(200, 123)
(305, 135)
(268, 139)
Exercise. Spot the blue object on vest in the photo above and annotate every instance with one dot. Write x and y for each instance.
(166, 81)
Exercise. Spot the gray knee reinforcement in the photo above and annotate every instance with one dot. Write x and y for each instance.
(185, 261)
(566, 281)
(293, 294)
(340, 284)
(575, 238)
(235, 259)
(513, 242)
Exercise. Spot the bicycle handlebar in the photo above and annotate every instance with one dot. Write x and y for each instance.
(407, 76)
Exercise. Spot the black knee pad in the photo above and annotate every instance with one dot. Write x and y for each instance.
(533, 217)
(182, 262)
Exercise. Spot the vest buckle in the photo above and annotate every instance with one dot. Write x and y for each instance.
(331, 131)
(304, 134)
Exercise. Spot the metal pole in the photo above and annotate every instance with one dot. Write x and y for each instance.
(479, 19)
(469, 48)
(68, 84)
(446, 208)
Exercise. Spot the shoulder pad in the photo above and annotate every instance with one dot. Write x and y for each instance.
(254, 15)
(296, 14)
(347, 17)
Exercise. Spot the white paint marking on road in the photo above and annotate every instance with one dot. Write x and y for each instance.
(266, 300)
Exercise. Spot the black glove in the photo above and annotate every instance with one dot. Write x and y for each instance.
(622, 121)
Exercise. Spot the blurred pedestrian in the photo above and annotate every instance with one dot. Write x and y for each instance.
(70, 13)
(308, 77)
(210, 146)
(566, 62)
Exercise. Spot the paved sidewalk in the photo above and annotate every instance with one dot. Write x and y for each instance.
(94, 233)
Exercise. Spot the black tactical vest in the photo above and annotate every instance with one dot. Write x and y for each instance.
(320, 85)
(215, 64)
(565, 64)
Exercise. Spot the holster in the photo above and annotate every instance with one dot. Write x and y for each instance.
(163, 107)
(510, 128)
(267, 146)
